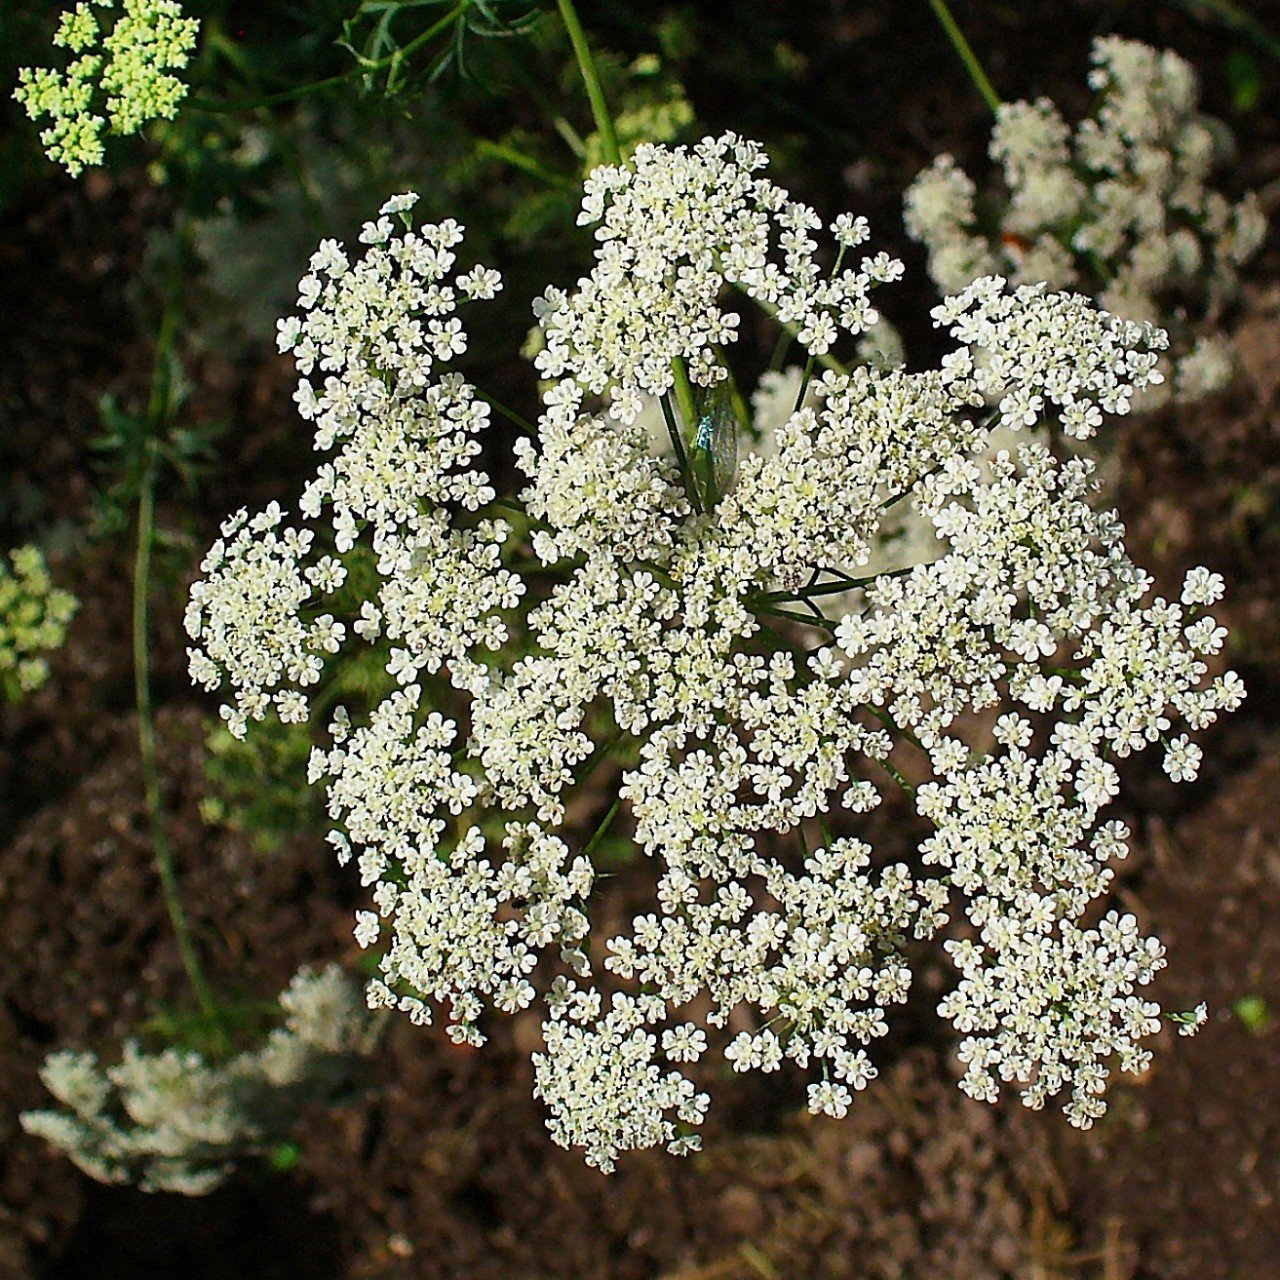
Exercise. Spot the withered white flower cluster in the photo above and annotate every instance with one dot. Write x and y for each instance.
(640, 605)
(174, 1121)
(1121, 208)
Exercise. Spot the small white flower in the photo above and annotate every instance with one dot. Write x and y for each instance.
(1182, 759)
(1201, 587)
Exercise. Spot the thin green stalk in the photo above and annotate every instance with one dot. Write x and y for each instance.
(516, 420)
(510, 504)
(820, 621)
(684, 392)
(597, 758)
(267, 99)
(1235, 18)
(587, 66)
(808, 364)
(889, 723)
(741, 411)
(589, 848)
(910, 489)
(897, 776)
(657, 571)
(157, 411)
(365, 68)
(147, 748)
(967, 55)
(845, 583)
(518, 160)
(823, 589)
(682, 458)
(826, 359)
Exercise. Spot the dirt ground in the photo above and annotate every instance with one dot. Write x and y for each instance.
(441, 1166)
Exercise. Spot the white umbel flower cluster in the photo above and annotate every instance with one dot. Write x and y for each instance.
(1122, 208)
(657, 609)
(675, 228)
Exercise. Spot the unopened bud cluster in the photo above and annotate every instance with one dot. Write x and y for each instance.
(33, 620)
(116, 80)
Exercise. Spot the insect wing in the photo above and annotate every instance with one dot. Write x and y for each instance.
(717, 439)
(724, 440)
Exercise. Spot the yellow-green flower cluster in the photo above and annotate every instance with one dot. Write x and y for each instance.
(33, 619)
(115, 82)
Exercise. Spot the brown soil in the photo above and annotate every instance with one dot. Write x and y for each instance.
(442, 1167)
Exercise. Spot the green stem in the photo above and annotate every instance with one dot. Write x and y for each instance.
(147, 747)
(589, 848)
(501, 152)
(684, 393)
(897, 776)
(587, 66)
(267, 99)
(967, 55)
(510, 504)
(819, 621)
(511, 415)
(157, 412)
(808, 364)
(845, 583)
(826, 359)
(889, 723)
(1234, 18)
(741, 410)
(596, 758)
(682, 458)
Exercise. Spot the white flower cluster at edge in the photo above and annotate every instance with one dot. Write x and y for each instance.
(1122, 208)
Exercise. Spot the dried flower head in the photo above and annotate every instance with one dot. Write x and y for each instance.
(173, 1121)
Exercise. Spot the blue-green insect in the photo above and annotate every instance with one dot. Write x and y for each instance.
(715, 444)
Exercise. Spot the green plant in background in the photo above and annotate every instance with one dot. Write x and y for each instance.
(255, 785)
(34, 615)
(177, 1119)
(116, 81)
(372, 35)
(652, 108)
(1253, 1013)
